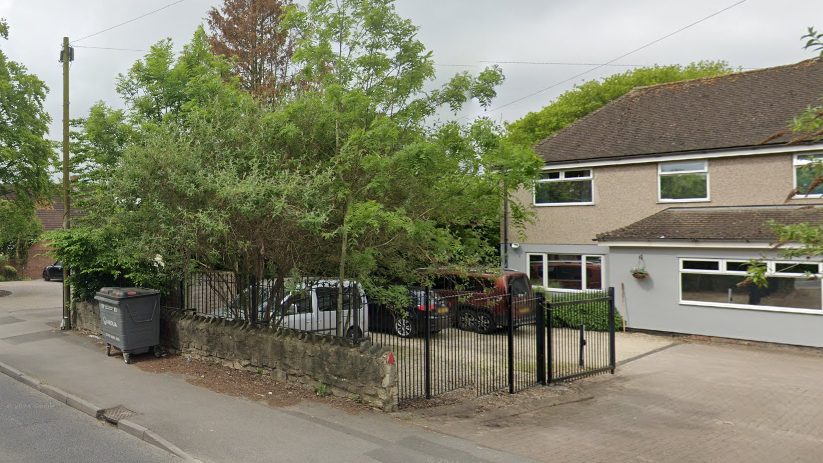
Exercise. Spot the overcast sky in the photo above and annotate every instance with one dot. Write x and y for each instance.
(463, 35)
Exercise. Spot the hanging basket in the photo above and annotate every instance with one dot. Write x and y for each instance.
(639, 271)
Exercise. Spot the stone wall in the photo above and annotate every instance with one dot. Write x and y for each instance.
(360, 372)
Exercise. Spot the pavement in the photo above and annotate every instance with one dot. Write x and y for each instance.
(670, 401)
(194, 423)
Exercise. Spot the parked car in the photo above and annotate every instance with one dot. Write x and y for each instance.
(410, 320)
(53, 272)
(308, 306)
(477, 300)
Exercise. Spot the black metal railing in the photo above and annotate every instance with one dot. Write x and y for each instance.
(442, 341)
(307, 304)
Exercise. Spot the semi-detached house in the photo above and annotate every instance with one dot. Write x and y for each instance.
(681, 179)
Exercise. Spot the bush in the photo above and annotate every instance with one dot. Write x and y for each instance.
(8, 273)
(593, 315)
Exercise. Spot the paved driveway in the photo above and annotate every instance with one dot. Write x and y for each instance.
(692, 402)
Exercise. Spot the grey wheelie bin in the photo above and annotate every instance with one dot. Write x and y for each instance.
(130, 318)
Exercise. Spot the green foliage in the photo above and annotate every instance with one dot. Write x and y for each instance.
(815, 40)
(97, 258)
(7, 272)
(19, 230)
(593, 315)
(321, 389)
(25, 153)
(589, 96)
(345, 176)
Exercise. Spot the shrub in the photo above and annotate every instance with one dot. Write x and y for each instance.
(593, 315)
(7, 272)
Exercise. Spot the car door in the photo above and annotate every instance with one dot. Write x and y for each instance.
(297, 311)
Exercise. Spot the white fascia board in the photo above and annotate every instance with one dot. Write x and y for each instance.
(710, 154)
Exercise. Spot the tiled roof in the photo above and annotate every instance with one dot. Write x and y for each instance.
(743, 223)
(738, 110)
(52, 216)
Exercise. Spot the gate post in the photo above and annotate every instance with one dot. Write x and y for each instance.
(549, 341)
(612, 350)
(181, 294)
(510, 316)
(254, 296)
(427, 350)
(540, 327)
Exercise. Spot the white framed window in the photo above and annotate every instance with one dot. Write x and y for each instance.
(792, 286)
(563, 187)
(571, 272)
(683, 181)
(805, 173)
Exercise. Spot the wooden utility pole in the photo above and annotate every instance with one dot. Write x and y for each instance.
(66, 56)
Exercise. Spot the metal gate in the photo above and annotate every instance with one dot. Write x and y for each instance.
(438, 349)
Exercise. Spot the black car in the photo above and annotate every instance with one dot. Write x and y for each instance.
(410, 321)
(53, 272)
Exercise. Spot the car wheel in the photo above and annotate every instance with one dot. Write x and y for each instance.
(484, 323)
(466, 319)
(46, 276)
(354, 332)
(404, 327)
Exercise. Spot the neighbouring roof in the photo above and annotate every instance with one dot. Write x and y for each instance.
(740, 110)
(52, 216)
(740, 223)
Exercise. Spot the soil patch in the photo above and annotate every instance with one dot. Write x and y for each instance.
(4, 293)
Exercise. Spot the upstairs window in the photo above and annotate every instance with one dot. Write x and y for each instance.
(683, 181)
(806, 169)
(560, 187)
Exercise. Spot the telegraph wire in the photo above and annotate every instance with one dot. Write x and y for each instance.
(111, 48)
(130, 20)
(608, 62)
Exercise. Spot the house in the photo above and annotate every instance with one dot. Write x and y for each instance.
(681, 179)
(51, 217)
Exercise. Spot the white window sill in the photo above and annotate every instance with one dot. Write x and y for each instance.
(680, 201)
(561, 204)
(759, 308)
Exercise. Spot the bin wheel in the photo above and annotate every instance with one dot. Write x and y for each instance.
(126, 357)
(108, 350)
(157, 352)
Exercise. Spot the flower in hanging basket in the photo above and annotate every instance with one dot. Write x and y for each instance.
(639, 273)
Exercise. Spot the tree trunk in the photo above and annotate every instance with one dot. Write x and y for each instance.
(342, 274)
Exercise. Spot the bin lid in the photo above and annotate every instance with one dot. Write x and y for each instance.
(127, 292)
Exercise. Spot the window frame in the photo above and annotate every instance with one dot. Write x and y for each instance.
(771, 272)
(798, 163)
(584, 274)
(661, 174)
(562, 179)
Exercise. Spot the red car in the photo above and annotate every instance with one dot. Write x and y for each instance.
(478, 299)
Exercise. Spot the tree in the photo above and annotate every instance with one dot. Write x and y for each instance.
(161, 90)
(19, 230)
(400, 186)
(25, 153)
(251, 34)
(585, 98)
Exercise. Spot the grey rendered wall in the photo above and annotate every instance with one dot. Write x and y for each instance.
(653, 303)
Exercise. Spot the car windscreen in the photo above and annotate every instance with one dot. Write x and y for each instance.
(519, 285)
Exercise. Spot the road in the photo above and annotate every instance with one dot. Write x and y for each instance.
(36, 428)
